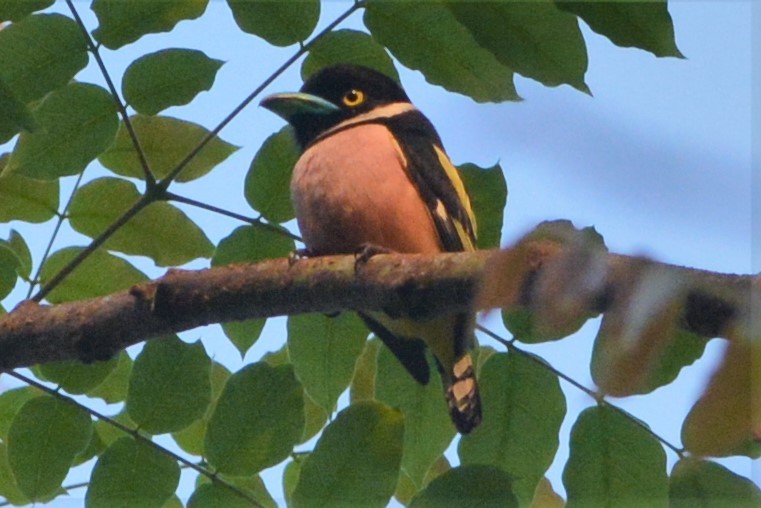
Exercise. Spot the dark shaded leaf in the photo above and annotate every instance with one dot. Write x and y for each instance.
(124, 22)
(100, 274)
(534, 39)
(696, 482)
(523, 410)
(473, 486)
(268, 181)
(15, 10)
(160, 231)
(132, 473)
(10, 404)
(165, 141)
(75, 124)
(356, 461)
(258, 419)
(169, 387)
(16, 115)
(347, 46)
(488, 194)
(41, 53)
(645, 25)
(77, 377)
(170, 77)
(425, 36)
(26, 199)
(279, 23)
(44, 437)
(614, 462)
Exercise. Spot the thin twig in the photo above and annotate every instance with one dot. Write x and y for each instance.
(598, 397)
(254, 221)
(149, 178)
(135, 433)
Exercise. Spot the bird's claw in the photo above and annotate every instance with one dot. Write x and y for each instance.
(298, 254)
(366, 251)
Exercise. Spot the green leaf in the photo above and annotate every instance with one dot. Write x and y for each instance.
(19, 247)
(425, 36)
(110, 434)
(488, 195)
(697, 482)
(98, 275)
(41, 53)
(113, 389)
(268, 182)
(644, 25)
(8, 487)
(258, 419)
(473, 486)
(291, 475)
(11, 402)
(25, 199)
(534, 39)
(16, 115)
(191, 438)
(169, 387)
(170, 77)
(315, 417)
(77, 377)
(132, 473)
(523, 410)
(365, 372)
(8, 274)
(94, 448)
(613, 461)
(165, 141)
(124, 22)
(428, 429)
(45, 436)
(76, 123)
(249, 244)
(215, 495)
(323, 351)
(347, 46)
(356, 460)
(280, 23)
(15, 10)
(160, 231)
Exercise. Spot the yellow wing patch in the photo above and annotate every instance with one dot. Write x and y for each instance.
(454, 176)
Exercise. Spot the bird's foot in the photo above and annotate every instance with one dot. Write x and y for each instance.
(297, 255)
(367, 250)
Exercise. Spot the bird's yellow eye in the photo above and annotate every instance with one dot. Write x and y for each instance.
(353, 98)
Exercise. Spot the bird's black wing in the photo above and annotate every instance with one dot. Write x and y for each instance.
(410, 352)
(436, 178)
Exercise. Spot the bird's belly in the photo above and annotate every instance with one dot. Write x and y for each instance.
(352, 188)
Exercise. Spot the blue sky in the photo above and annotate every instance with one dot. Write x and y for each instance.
(659, 161)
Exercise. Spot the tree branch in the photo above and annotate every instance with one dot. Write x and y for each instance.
(419, 286)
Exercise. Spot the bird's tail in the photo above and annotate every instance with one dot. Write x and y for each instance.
(461, 392)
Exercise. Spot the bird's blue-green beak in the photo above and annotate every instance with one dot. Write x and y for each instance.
(288, 105)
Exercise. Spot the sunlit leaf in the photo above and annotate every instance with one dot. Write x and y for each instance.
(468, 486)
(123, 22)
(425, 36)
(534, 39)
(428, 429)
(169, 387)
(258, 419)
(44, 437)
(100, 274)
(160, 231)
(488, 194)
(356, 460)
(8, 487)
(523, 409)
(170, 77)
(75, 124)
(132, 473)
(347, 46)
(165, 141)
(613, 461)
(365, 371)
(644, 25)
(279, 23)
(10, 404)
(323, 351)
(41, 53)
(701, 483)
(26, 199)
(268, 181)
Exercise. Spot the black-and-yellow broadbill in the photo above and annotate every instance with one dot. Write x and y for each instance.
(373, 172)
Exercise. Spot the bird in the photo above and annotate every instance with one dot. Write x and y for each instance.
(373, 176)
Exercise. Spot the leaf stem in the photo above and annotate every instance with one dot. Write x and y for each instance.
(135, 435)
(597, 396)
(94, 49)
(254, 221)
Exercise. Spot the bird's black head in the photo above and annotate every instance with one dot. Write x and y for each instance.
(332, 95)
